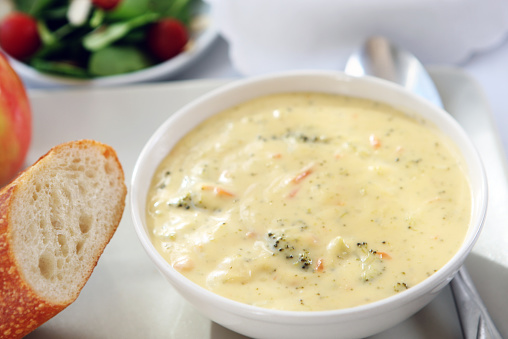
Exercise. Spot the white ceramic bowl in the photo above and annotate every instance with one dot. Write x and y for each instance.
(299, 34)
(258, 322)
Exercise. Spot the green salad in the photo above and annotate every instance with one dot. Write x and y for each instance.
(96, 38)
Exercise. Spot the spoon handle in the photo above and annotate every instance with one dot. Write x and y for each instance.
(475, 320)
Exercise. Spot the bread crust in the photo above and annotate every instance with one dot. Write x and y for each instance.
(22, 310)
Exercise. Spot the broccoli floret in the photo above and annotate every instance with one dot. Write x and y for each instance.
(280, 244)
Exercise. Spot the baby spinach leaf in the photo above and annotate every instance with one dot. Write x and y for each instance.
(57, 13)
(97, 18)
(117, 60)
(177, 9)
(128, 9)
(106, 35)
(135, 37)
(35, 7)
(59, 67)
(47, 37)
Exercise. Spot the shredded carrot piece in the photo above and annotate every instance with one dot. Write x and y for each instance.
(301, 176)
(293, 192)
(433, 200)
(276, 156)
(320, 265)
(374, 141)
(218, 191)
(383, 255)
(251, 235)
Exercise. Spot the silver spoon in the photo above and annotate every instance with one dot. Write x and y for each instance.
(380, 58)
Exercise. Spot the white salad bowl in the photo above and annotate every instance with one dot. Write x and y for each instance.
(162, 71)
(352, 322)
(203, 33)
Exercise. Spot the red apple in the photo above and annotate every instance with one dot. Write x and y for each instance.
(15, 122)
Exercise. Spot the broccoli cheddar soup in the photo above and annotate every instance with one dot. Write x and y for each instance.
(308, 201)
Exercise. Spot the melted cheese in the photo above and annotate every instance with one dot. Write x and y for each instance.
(307, 201)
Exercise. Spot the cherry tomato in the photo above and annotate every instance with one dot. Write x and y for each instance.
(167, 38)
(106, 4)
(19, 36)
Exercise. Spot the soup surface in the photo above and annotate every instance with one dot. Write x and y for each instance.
(308, 201)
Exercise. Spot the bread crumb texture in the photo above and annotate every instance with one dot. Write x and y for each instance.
(55, 220)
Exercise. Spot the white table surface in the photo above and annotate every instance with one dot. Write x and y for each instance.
(490, 70)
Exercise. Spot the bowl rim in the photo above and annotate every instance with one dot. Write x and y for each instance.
(432, 284)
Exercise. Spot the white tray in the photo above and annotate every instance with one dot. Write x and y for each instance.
(127, 298)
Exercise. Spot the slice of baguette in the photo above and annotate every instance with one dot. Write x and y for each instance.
(56, 218)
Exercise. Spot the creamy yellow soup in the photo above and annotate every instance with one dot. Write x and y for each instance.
(308, 201)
